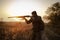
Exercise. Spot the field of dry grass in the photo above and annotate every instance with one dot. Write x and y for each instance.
(15, 31)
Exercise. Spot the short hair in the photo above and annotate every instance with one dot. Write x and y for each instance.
(34, 12)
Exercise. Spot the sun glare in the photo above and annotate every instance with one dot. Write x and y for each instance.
(23, 8)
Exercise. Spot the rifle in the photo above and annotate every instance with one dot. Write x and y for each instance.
(19, 16)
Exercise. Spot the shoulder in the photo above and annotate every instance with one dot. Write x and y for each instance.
(39, 16)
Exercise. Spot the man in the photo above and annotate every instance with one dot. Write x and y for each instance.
(38, 25)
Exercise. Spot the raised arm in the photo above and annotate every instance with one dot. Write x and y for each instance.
(28, 21)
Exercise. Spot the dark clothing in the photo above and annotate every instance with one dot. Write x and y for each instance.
(38, 26)
(37, 23)
(36, 36)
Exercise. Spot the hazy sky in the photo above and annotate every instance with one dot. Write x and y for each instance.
(14, 7)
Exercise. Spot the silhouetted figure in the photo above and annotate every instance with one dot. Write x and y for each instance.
(38, 25)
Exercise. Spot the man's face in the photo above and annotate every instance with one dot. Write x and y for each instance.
(33, 14)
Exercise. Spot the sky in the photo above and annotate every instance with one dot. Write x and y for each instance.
(23, 7)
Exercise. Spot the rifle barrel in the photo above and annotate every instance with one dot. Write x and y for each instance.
(18, 16)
